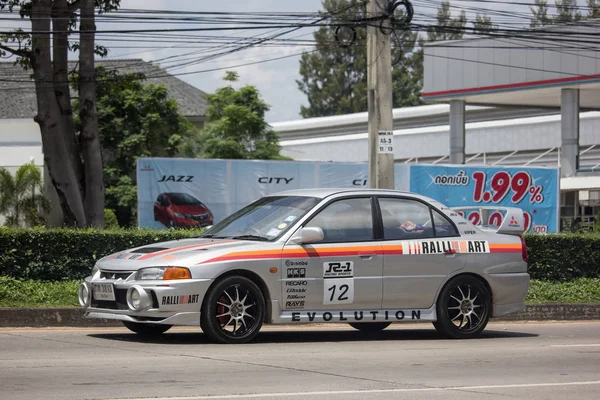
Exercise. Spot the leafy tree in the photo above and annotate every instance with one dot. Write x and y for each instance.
(593, 8)
(447, 27)
(483, 24)
(540, 15)
(334, 77)
(235, 125)
(135, 120)
(567, 11)
(74, 162)
(21, 197)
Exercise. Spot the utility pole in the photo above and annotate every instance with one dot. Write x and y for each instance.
(379, 86)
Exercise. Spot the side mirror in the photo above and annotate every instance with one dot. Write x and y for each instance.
(309, 235)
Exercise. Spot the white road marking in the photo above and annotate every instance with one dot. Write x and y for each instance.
(575, 345)
(373, 391)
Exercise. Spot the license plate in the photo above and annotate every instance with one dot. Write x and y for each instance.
(104, 291)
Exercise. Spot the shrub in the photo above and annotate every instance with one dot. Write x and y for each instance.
(563, 257)
(63, 254)
(110, 220)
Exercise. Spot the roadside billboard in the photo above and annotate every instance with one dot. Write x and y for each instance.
(176, 192)
(534, 190)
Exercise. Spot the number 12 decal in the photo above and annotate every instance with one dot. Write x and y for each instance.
(338, 291)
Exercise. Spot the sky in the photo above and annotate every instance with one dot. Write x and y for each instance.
(276, 80)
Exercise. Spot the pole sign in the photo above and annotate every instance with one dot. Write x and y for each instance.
(534, 190)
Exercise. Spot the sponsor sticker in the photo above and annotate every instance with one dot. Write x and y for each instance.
(294, 304)
(296, 273)
(184, 299)
(274, 232)
(291, 218)
(338, 269)
(282, 226)
(445, 246)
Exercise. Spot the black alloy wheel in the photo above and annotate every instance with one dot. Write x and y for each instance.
(463, 308)
(233, 311)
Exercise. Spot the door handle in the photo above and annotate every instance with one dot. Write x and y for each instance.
(366, 256)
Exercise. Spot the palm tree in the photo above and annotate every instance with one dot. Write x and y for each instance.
(21, 196)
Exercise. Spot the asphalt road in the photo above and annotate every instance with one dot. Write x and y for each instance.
(516, 361)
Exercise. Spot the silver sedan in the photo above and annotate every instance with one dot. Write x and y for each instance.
(368, 258)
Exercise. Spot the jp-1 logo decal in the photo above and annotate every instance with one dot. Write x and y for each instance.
(380, 315)
(445, 246)
(185, 299)
(341, 269)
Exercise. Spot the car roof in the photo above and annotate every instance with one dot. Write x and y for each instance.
(326, 192)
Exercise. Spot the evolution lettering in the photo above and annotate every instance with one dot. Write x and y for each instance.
(357, 316)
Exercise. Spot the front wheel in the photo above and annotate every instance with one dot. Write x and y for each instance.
(146, 329)
(233, 311)
(370, 327)
(463, 308)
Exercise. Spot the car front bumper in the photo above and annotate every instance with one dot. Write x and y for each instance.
(161, 302)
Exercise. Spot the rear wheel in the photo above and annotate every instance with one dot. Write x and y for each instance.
(463, 308)
(233, 311)
(372, 327)
(146, 329)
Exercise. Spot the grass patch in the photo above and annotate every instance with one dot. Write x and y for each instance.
(582, 290)
(37, 294)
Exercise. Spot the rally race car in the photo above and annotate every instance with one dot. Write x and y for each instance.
(368, 258)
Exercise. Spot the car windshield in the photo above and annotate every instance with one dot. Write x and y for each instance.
(265, 219)
(181, 199)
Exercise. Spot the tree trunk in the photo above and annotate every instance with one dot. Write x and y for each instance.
(90, 140)
(49, 119)
(60, 52)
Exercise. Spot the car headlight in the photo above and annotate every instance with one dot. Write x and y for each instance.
(94, 271)
(163, 273)
(180, 215)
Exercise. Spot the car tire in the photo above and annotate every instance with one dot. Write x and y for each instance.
(463, 308)
(369, 327)
(233, 311)
(146, 329)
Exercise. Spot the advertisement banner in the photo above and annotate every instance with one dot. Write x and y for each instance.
(534, 190)
(184, 193)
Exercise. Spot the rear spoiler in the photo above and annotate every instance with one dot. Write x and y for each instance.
(513, 221)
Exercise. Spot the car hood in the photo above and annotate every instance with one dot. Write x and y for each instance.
(189, 209)
(183, 253)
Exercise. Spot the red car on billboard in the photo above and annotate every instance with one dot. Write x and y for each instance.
(181, 210)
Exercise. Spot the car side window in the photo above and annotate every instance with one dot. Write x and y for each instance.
(405, 219)
(348, 220)
(443, 226)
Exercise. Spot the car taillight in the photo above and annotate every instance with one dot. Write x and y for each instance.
(523, 249)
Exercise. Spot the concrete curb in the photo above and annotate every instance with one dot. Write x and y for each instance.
(50, 317)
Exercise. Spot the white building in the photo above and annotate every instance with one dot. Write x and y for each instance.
(529, 100)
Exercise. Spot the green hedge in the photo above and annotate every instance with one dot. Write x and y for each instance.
(564, 257)
(63, 254)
